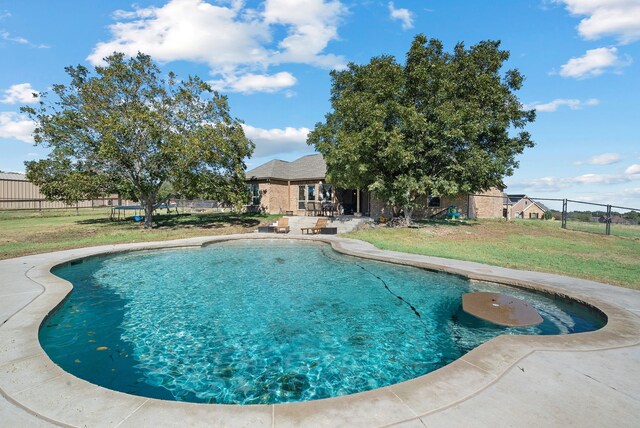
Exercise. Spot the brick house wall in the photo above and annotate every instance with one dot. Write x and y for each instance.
(486, 205)
(277, 195)
(526, 208)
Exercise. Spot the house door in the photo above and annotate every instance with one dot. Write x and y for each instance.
(352, 202)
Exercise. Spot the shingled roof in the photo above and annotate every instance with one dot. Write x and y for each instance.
(305, 168)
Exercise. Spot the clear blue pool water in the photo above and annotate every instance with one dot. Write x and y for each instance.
(248, 322)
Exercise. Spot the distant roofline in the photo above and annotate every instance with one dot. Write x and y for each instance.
(13, 176)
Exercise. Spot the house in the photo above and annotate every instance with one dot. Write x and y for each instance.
(300, 187)
(522, 206)
(297, 187)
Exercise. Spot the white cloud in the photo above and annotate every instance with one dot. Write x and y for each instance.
(544, 184)
(599, 179)
(250, 83)
(13, 125)
(632, 192)
(311, 25)
(401, 14)
(5, 35)
(19, 93)
(633, 169)
(231, 38)
(602, 159)
(270, 142)
(554, 184)
(552, 106)
(594, 63)
(191, 30)
(617, 18)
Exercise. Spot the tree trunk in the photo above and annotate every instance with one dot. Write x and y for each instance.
(408, 211)
(148, 214)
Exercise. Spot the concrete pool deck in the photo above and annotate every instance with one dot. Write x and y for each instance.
(586, 379)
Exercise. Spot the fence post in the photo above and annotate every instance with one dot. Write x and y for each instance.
(608, 220)
(564, 213)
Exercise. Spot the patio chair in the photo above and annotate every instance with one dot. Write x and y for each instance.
(283, 225)
(320, 224)
(311, 208)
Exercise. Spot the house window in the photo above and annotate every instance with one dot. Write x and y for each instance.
(312, 192)
(301, 199)
(433, 201)
(533, 215)
(254, 193)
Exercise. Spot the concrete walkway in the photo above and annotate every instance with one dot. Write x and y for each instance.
(585, 380)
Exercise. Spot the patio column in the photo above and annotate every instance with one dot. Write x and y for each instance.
(358, 200)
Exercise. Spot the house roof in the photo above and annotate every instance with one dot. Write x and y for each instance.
(12, 176)
(304, 168)
(515, 198)
(543, 206)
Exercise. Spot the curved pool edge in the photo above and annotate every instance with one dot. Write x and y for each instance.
(30, 380)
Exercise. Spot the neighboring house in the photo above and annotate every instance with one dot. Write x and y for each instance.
(522, 206)
(280, 187)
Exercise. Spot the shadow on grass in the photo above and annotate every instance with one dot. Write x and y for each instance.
(204, 220)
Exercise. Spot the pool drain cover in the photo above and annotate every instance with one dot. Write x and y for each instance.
(500, 309)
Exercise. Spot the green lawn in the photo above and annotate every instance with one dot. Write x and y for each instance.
(624, 230)
(23, 233)
(531, 245)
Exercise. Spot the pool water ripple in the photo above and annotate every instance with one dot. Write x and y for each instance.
(268, 322)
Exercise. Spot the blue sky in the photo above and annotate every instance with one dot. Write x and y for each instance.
(581, 59)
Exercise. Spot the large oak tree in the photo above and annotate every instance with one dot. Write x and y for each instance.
(442, 124)
(127, 129)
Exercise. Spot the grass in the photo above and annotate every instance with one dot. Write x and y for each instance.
(623, 230)
(530, 245)
(23, 233)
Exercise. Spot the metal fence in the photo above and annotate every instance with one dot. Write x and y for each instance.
(43, 204)
(600, 218)
(572, 214)
(199, 205)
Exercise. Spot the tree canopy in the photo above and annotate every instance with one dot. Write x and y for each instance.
(441, 124)
(128, 130)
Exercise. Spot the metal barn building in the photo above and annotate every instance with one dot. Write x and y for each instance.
(17, 193)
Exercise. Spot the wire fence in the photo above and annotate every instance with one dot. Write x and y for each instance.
(572, 214)
(200, 205)
(44, 205)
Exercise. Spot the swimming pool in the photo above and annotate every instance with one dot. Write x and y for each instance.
(249, 322)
